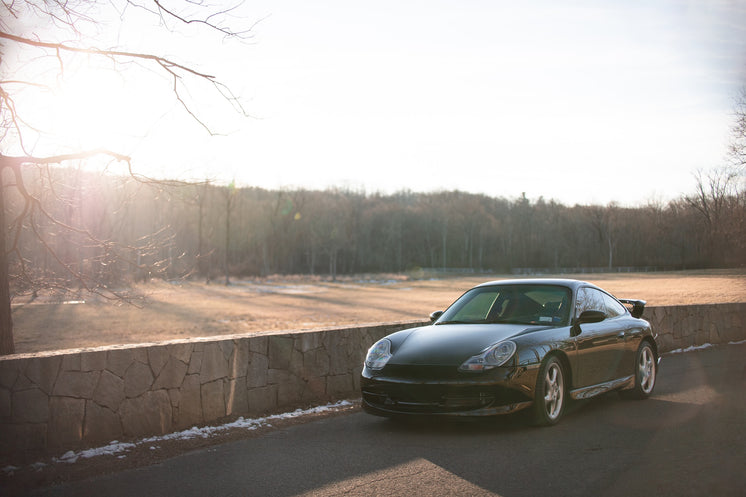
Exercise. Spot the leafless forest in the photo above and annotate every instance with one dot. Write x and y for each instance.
(128, 230)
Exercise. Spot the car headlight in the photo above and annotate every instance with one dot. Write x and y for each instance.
(379, 354)
(491, 357)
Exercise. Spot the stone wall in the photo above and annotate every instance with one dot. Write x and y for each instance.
(76, 398)
(682, 326)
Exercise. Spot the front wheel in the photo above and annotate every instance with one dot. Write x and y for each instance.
(645, 371)
(549, 400)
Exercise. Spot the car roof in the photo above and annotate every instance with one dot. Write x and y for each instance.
(566, 282)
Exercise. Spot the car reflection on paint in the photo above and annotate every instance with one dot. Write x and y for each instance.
(509, 345)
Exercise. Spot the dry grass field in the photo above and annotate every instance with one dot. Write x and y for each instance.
(190, 309)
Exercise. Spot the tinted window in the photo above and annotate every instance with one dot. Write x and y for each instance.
(590, 299)
(613, 308)
(525, 304)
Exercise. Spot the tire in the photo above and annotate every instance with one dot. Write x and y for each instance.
(645, 373)
(549, 396)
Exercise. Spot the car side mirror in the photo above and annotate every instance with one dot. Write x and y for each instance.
(435, 315)
(586, 317)
(591, 317)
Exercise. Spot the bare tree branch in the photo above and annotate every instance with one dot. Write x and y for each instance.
(165, 63)
(737, 147)
(227, 32)
(6, 161)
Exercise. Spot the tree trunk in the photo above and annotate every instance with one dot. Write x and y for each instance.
(611, 251)
(6, 321)
(228, 209)
(227, 244)
(333, 264)
(445, 245)
(200, 244)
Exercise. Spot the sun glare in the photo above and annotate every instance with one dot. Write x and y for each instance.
(112, 108)
(89, 108)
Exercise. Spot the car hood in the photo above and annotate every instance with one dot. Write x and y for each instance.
(452, 344)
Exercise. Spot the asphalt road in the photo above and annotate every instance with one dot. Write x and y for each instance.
(688, 439)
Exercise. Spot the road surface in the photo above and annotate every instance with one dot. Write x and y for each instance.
(688, 439)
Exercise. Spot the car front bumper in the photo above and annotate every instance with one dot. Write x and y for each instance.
(500, 391)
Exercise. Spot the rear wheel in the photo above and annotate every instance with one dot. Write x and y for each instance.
(645, 372)
(549, 401)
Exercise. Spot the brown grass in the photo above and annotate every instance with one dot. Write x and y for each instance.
(191, 309)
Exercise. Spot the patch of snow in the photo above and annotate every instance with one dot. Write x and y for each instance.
(690, 349)
(68, 457)
(112, 449)
(118, 449)
(695, 348)
(241, 423)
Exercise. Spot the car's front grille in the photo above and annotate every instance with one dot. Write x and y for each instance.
(421, 404)
(437, 398)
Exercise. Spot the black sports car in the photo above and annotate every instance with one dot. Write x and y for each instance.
(509, 345)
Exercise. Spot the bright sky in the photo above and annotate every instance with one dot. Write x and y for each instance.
(582, 102)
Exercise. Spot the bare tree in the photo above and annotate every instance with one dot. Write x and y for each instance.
(738, 137)
(203, 253)
(230, 198)
(34, 33)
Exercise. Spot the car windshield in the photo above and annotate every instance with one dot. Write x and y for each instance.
(521, 304)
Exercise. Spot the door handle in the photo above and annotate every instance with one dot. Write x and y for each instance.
(622, 335)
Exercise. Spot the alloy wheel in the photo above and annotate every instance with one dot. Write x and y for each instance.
(646, 366)
(554, 393)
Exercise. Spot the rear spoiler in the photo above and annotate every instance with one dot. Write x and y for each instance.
(638, 306)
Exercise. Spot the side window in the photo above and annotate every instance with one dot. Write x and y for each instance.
(613, 308)
(580, 302)
(589, 299)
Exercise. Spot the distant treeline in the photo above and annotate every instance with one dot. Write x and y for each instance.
(113, 230)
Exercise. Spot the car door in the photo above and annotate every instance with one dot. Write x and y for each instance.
(600, 346)
(628, 336)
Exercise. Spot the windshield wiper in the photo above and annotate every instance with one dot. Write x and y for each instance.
(455, 321)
